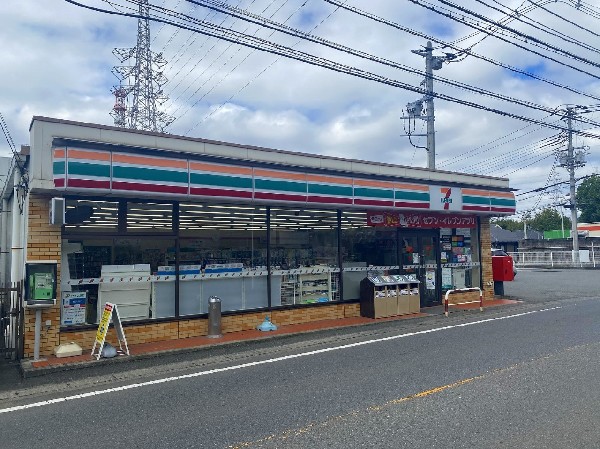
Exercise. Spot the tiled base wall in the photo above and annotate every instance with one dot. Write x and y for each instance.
(458, 298)
(154, 332)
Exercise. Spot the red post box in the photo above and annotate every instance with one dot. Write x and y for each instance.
(502, 268)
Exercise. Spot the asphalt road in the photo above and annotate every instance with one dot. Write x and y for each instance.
(517, 377)
(536, 285)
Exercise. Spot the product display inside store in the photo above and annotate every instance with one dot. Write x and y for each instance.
(172, 257)
(219, 250)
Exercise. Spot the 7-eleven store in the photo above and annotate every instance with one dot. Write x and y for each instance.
(158, 223)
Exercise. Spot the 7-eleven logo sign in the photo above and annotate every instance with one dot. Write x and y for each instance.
(445, 198)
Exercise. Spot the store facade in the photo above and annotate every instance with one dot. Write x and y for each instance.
(157, 224)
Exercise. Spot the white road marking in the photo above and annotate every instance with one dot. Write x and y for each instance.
(261, 362)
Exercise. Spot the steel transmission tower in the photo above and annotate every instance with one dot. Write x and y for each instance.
(141, 82)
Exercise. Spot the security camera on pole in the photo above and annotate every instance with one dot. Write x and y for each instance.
(431, 63)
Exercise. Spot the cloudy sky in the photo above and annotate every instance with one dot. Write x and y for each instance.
(57, 61)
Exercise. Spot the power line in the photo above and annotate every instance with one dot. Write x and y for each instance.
(290, 53)
(232, 70)
(236, 67)
(189, 42)
(521, 9)
(244, 15)
(539, 189)
(162, 26)
(460, 51)
(509, 159)
(22, 188)
(516, 33)
(215, 110)
(529, 165)
(261, 21)
(540, 5)
(460, 157)
(581, 6)
(524, 39)
(541, 27)
(513, 161)
(252, 18)
(258, 20)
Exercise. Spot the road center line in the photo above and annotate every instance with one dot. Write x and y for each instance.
(261, 362)
(282, 436)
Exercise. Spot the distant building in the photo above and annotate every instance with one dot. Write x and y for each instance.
(6, 184)
(588, 229)
(4, 164)
(511, 241)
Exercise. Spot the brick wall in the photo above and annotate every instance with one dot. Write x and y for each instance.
(43, 243)
(153, 332)
(486, 256)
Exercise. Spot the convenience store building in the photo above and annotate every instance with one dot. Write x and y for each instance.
(158, 223)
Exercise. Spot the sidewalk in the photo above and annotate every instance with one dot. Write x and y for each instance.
(48, 364)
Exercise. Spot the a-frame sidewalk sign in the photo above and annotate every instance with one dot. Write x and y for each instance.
(110, 311)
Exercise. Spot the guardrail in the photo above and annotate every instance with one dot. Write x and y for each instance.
(587, 258)
(463, 290)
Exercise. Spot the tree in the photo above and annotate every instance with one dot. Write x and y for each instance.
(508, 223)
(588, 199)
(549, 220)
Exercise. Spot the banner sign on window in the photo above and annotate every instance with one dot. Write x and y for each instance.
(73, 308)
(420, 220)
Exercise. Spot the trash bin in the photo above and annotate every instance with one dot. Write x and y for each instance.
(214, 317)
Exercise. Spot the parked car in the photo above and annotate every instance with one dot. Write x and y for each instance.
(500, 252)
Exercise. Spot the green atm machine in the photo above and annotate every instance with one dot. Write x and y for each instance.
(40, 293)
(40, 284)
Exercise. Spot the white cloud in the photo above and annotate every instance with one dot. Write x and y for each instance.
(57, 61)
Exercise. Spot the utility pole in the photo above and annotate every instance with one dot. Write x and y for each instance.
(571, 167)
(431, 63)
(526, 215)
(429, 102)
(570, 161)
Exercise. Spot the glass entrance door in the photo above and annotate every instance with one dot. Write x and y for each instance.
(420, 255)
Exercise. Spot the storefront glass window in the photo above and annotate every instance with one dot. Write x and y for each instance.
(365, 248)
(122, 271)
(304, 256)
(221, 250)
(228, 244)
(95, 216)
(150, 292)
(81, 269)
(459, 253)
(149, 217)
